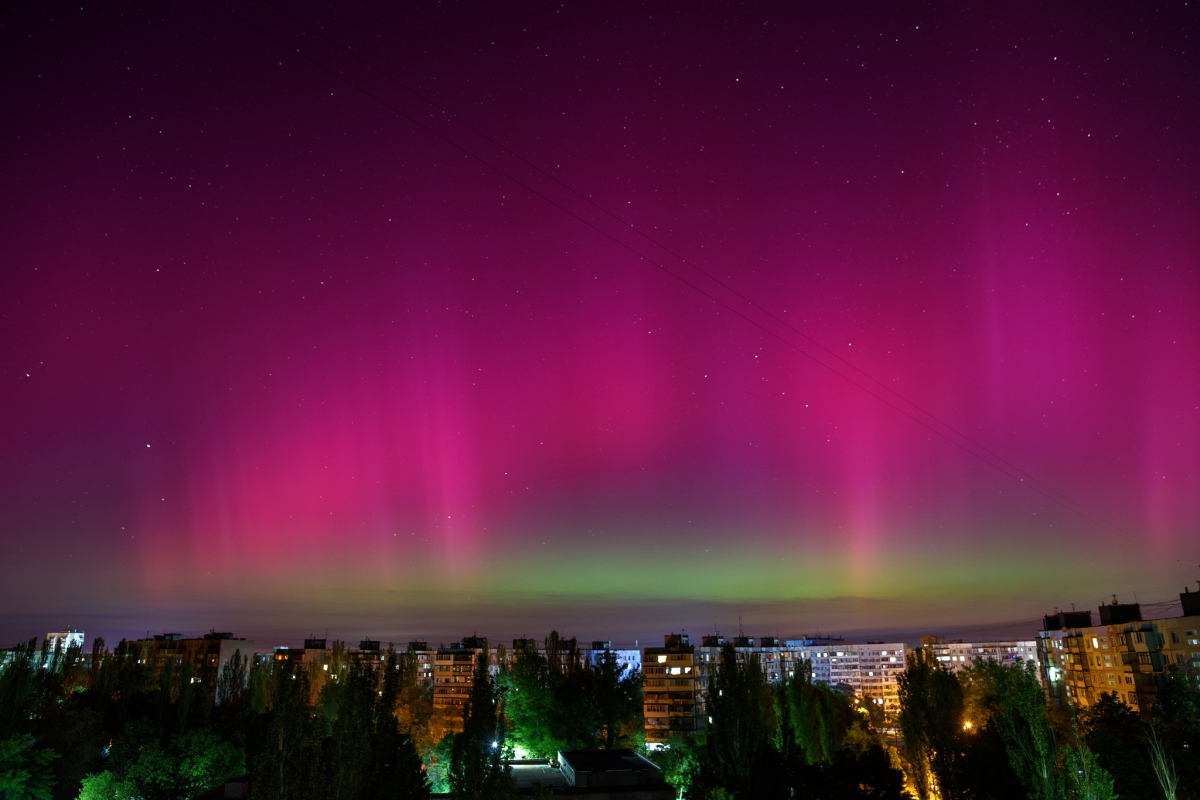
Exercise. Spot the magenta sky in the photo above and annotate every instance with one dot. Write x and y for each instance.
(273, 358)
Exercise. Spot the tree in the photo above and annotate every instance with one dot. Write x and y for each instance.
(985, 772)
(736, 754)
(187, 765)
(396, 768)
(106, 786)
(931, 715)
(415, 715)
(1084, 778)
(529, 702)
(261, 689)
(25, 771)
(618, 696)
(350, 701)
(288, 757)
(476, 772)
(560, 701)
(1116, 734)
(1177, 722)
(232, 680)
(1025, 729)
(19, 685)
(868, 775)
(1164, 768)
(819, 716)
(678, 763)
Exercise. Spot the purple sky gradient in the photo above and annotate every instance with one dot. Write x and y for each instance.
(274, 358)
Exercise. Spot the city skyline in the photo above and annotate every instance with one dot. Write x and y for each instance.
(297, 336)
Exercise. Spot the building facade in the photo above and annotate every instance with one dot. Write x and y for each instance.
(957, 655)
(64, 640)
(677, 676)
(202, 657)
(672, 690)
(454, 675)
(631, 660)
(1124, 655)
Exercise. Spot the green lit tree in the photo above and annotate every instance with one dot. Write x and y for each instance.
(25, 770)
(820, 717)
(106, 786)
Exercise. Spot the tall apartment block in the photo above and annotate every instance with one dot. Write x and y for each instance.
(871, 670)
(1124, 655)
(672, 689)
(454, 674)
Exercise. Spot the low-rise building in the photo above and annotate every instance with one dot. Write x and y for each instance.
(602, 774)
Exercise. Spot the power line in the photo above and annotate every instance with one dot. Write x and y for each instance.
(980, 451)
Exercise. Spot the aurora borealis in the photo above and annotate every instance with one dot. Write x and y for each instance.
(275, 358)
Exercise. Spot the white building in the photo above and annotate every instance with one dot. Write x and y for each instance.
(958, 655)
(869, 670)
(64, 640)
(631, 660)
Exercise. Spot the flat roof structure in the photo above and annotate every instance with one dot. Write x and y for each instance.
(608, 768)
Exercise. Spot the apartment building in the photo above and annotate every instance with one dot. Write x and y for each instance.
(870, 670)
(677, 676)
(956, 655)
(63, 640)
(631, 660)
(672, 690)
(205, 656)
(1124, 655)
(425, 658)
(454, 674)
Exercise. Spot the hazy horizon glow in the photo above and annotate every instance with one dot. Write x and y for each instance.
(274, 356)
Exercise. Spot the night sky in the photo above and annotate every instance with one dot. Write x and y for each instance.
(607, 317)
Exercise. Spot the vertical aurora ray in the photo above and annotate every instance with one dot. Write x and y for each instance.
(270, 353)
